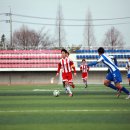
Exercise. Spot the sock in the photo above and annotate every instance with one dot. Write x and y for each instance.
(85, 82)
(112, 86)
(68, 89)
(125, 90)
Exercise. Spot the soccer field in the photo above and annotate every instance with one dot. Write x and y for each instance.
(35, 108)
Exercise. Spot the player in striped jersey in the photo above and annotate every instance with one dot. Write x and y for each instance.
(66, 64)
(128, 70)
(114, 72)
(73, 68)
(84, 68)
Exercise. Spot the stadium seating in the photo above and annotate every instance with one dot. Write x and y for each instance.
(107, 51)
(29, 51)
(90, 55)
(50, 58)
(29, 58)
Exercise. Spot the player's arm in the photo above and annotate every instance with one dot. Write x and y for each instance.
(95, 62)
(73, 67)
(80, 68)
(88, 68)
(92, 63)
(58, 70)
(74, 70)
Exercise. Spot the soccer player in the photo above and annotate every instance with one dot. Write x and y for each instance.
(65, 63)
(114, 74)
(84, 68)
(128, 70)
(73, 67)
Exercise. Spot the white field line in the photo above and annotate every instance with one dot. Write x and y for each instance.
(76, 110)
(48, 90)
(61, 90)
(45, 90)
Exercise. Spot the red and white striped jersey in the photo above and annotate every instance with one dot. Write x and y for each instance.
(66, 65)
(84, 68)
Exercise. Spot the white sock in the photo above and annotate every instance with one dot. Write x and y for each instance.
(68, 89)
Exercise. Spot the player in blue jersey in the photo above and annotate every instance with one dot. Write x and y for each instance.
(128, 70)
(114, 74)
(109, 77)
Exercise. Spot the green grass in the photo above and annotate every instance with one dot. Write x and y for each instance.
(35, 108)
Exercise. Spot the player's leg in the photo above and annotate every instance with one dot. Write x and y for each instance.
(63, 82)
(64, 79)
(122, 88)
(67, 85)
(85, 82)
(70, 82)
(70, 77)
(68, 88)
(108, 84)
(118, 79)
(84, 77)
(107, 81)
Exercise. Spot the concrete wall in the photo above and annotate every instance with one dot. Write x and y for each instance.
(7, 78)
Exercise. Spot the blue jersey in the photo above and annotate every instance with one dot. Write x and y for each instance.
(114, 74)
(107, 60)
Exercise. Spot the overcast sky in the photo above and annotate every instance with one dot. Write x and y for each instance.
(72, 9)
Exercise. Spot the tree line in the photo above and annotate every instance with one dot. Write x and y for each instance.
(26, 38)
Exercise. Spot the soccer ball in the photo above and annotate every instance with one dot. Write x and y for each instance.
(56, 93)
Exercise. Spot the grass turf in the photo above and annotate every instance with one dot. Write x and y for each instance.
(35, 108)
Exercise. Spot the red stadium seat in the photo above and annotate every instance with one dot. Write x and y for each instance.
(29, 58)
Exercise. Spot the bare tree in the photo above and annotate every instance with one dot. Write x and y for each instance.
(45, 41)
(113, 38)
(25, 38)
(60, 33)
(73, 48)
(2, 41)
(89, 38)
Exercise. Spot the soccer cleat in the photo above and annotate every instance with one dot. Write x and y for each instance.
(128, 97)
(70, 95)
(118, 93)
(73, 86)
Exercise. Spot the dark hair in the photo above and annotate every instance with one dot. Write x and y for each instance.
(68, 53)
(64, 50)
(101, 50)
(83, 60)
